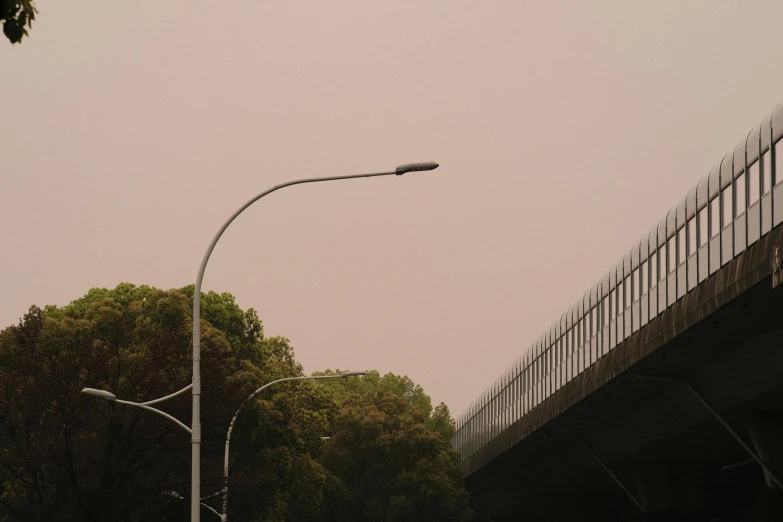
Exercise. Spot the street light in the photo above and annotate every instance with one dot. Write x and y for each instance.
(224, 516)
(348, 374)
(101, 394)
(415, 167)
(195, 488)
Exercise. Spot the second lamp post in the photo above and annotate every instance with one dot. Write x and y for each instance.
(224, 515)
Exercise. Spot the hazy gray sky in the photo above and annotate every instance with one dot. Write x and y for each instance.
(565, 130)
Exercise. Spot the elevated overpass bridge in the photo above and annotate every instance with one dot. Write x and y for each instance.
(659, 394)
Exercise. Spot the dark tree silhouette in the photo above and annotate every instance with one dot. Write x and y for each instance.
(17, 16)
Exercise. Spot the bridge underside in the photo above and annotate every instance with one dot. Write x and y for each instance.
(633, 448)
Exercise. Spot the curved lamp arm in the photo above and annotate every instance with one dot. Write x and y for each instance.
(180, 497)
(170, 396)
(108, 396)
(155, 410)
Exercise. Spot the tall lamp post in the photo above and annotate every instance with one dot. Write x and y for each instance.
(195, 488)
(195, 386)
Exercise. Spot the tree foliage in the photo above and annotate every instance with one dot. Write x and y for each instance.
(417, 402)
(66, 456)
(17, 16)
(389, 457)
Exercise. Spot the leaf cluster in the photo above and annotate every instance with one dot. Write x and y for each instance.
(389, 457)
(418, 403)
(16, 16)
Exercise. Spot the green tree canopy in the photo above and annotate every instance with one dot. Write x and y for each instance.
(389, 457)
(384, 463)
(66, 456)
(417, 402)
